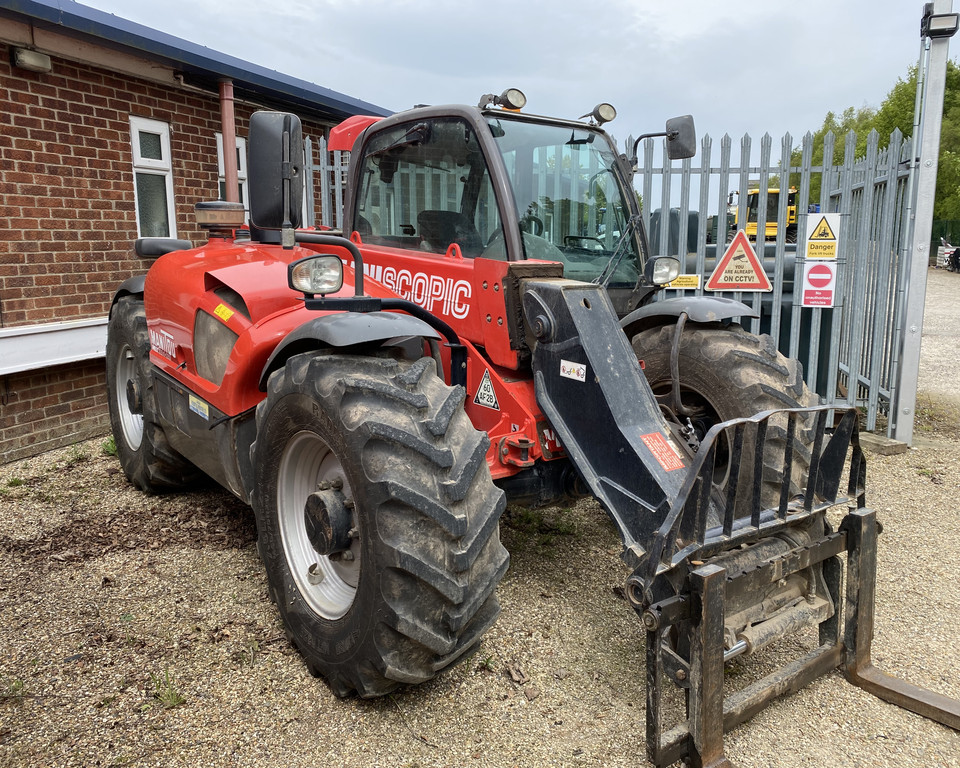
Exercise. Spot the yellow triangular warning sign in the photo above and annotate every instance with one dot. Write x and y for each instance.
(822, 231)
(739, 269)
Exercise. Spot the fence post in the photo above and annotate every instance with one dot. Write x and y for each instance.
(902, 411)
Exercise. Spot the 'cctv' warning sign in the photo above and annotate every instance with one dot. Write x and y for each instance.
(739, 269)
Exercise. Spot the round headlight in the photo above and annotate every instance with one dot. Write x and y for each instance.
(316, 274)
(665, 270)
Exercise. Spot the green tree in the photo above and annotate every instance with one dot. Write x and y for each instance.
(896, 111)
(860, 121)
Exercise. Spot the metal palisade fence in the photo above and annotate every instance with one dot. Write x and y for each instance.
(332, 168)
(848, 350)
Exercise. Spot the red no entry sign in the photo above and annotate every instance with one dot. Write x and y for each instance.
(819, 284)
(820, 275)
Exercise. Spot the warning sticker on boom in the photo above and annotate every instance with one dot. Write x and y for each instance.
(485, 395)
(662, 451)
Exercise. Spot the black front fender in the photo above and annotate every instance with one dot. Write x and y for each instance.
(699, 309)
(344, 329)
(132, 286)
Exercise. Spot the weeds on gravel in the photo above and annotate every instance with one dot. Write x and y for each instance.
(13, 690)
(77, 455)
(109, 446)
(165, 690)
(937, 416)
(541, 527)
(248, 655)
(15, 482)
(127, 622)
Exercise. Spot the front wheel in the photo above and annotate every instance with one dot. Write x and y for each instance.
(728, 373)
(377, 519)
(144, 452)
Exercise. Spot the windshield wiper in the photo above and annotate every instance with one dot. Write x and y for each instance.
(619, 251)
(414, 137)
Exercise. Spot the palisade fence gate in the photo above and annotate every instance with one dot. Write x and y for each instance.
(849, 352)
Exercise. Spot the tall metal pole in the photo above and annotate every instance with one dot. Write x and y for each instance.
(904, 409)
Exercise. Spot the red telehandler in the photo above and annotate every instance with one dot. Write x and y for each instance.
(482, 332)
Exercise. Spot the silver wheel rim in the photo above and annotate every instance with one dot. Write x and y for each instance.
(328, 586)
(131, 423)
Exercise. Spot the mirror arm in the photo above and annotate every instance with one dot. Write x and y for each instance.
(670, 136)
(287, 236)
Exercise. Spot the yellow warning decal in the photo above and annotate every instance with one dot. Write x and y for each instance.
(199, 407)
(685, 281)
(223, 312)
(822, 231)
(822, 236)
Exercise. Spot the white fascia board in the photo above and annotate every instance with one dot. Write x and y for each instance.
(30, 347)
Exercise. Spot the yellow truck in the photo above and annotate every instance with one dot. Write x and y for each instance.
(773, 209)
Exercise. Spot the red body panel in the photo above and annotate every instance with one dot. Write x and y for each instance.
(344, 135)
(466, 293)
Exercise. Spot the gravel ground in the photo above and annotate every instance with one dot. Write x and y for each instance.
(137, 630)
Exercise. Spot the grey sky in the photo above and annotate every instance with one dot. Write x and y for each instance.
(757, 66)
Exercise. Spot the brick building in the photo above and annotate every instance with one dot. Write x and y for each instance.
(109, 131)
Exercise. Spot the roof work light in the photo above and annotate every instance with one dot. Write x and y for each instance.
(512, 98)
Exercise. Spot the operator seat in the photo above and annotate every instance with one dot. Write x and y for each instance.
(438, 229)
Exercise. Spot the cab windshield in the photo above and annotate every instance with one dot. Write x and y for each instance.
(570, 203)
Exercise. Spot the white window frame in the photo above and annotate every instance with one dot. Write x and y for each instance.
(163, 167)
(241, 171)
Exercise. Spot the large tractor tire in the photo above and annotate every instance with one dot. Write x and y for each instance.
(728, 373)
(145, 455)
(377, 517)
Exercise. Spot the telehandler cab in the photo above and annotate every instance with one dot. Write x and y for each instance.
(496, 342)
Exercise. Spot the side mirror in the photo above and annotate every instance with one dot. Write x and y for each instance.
(681, 137)
(275, 171)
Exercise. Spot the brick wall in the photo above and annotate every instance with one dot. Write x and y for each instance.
(51, 408)
(68, 219)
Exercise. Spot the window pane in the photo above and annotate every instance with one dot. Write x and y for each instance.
(150, 146)
(426, 186)
(571, 205)
(152, 205)
(222, 191)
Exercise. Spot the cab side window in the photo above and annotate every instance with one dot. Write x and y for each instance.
(425, 186)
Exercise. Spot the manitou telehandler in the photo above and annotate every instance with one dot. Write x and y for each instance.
(497, 341)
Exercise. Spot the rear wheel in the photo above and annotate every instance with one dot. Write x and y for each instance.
(728, 373)
(145, 455)
(377, 519)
